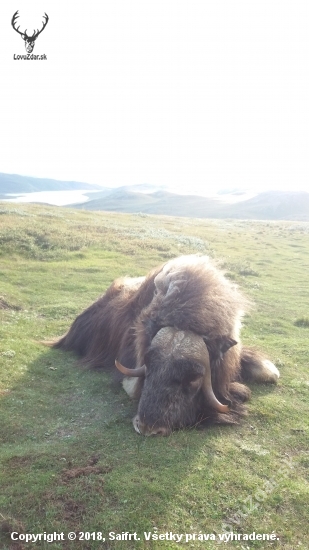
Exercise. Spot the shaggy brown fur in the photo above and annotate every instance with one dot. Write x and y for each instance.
(187, 293)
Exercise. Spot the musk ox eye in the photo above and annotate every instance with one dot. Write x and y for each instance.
(190, 384)
(196, 382)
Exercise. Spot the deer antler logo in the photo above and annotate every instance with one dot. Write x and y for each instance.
(29, 40)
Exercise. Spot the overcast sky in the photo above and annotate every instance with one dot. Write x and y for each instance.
(191, 94)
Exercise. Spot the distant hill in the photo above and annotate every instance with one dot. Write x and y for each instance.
(271, 205)
(120, 201)
(152, 199)
(276, 205)
(141, 188)
(13, 183)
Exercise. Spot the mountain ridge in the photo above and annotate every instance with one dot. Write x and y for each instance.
(267, 205)
(152, 199)
(15, 183)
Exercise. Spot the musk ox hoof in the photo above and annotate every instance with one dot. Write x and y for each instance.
(130, 386)
(270, 372)
(262, 371)
(255, 368)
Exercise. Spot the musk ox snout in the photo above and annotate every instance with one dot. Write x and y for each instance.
(143, 429)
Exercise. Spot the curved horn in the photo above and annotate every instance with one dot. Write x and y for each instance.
(208, 391)
(141, 371)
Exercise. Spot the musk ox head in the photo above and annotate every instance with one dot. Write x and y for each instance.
(177, 389)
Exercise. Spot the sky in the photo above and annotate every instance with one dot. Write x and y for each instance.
(193, 95)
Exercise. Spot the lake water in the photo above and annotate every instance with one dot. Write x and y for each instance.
(57, 198)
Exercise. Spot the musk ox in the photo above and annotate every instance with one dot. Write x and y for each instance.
(174, 335)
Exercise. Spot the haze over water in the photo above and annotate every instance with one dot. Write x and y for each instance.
(57, 198)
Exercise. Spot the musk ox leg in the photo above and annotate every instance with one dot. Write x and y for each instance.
(255, 368)
(240, 392)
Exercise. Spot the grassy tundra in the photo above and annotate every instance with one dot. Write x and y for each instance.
(70, 459)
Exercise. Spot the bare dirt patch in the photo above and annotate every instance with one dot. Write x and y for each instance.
(6, 305)
(7, 526)
(85, 471)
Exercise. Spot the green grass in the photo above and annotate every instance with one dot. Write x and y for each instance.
(70, 459)
(302, 322)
